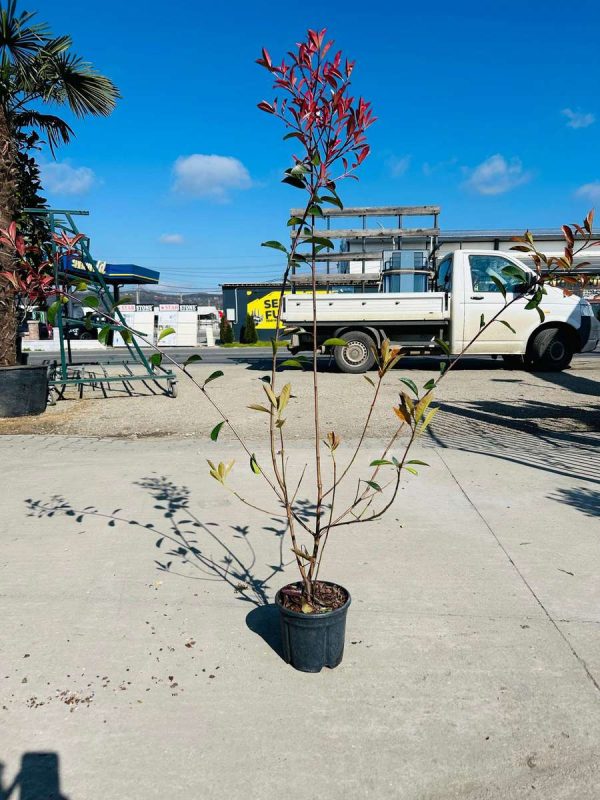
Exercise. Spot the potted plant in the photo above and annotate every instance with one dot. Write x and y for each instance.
(23, 388)
(327, 127)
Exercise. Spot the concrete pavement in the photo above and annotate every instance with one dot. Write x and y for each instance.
(472, 666)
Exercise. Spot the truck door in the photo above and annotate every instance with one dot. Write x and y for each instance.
(484, 297)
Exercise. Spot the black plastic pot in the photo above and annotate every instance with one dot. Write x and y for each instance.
(23, 390)
(312, 641)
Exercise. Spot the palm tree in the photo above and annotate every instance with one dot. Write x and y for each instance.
(36, 69)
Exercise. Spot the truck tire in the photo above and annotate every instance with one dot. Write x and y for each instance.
(551, 350)
(357, 354)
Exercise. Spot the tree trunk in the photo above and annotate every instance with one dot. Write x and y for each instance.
(8, 211)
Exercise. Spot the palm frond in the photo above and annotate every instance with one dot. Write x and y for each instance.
(55, 129)
(77, 83)
(20, 39)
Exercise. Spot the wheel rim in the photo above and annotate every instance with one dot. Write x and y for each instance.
(355, 353)
(556, 350)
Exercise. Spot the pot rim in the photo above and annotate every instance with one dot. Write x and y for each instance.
(300, 614)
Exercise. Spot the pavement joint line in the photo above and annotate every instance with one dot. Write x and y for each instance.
(513, 564)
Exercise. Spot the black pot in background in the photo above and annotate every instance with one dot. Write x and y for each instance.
(312, 641)
(23, 390)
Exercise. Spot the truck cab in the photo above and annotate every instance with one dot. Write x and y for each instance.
(464, 291)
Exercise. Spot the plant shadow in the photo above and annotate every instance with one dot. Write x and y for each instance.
(193, 549)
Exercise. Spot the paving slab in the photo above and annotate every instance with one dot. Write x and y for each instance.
(461, 678)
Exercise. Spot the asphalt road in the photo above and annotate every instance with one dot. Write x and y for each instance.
(243, 355)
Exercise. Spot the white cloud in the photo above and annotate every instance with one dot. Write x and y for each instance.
(210, 176)
(60, 177)
(171, 238)
(398, 166)
(578, 119)
(496, 175)
(589, 191)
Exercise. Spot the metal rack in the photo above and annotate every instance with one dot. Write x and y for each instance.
(364, 234)
(66, 374)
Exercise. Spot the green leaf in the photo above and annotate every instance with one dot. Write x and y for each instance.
(192, 360)
(501, 287)
(53, 311)
(213, 376)
(506, 324)
(443, 367)
(293, 181)
(541, 313)
(165, 332)
(512, 270)
(126, 335)
(156, 359)
(81, 286)
(316, 160)
(411, 385)
(292, 362)
(298, 169)
(369, 380)
(443, 346)
(425, 424)
(274, 245)
(373, 485)
(258, 407)
(481, 322)
(214, 434)
(416, 461)
(293, 134)
(412, 470)
(314, 211)
(103, 334)
(294, 221)
(254, 465)
(335, 342)
(335, 201)
(381, 462)
(91, 300)
(320, 240)
(429, 385)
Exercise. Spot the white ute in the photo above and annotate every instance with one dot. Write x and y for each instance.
(463, 291)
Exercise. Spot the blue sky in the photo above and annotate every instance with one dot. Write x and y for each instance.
(493, 113)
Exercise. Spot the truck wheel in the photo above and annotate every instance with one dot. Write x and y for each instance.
(356, 355)
(551, 350)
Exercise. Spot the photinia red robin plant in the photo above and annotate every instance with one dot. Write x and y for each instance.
(31, 275)
(327, 127)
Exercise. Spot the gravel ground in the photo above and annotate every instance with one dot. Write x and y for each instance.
(478, 396)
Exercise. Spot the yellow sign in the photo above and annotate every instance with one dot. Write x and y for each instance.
(264, 309)
(82, 266)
